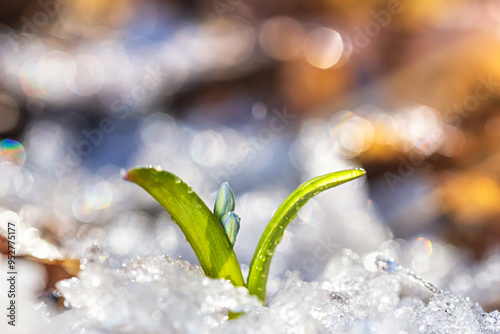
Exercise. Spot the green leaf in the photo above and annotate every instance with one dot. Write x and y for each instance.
(273, 234)
(199, 225)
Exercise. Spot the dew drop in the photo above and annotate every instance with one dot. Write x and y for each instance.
(259, 268)
(259, 289)
(262, 258)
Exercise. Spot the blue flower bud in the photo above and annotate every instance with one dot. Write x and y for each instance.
(231, 224)
(224, 202)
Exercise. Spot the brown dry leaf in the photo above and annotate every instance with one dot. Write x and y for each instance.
(56, 270)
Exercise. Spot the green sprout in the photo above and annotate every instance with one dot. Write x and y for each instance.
(212, 235)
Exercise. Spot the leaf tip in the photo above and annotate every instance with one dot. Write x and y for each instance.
(361, 171)
(134, 173)
(127, 176)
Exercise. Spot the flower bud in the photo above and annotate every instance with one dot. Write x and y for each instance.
(224, 202)
(231, 224)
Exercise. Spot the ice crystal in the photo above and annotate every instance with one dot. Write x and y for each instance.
(354, 295)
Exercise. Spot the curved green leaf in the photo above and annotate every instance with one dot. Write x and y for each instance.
(273, 234)
(199, 225)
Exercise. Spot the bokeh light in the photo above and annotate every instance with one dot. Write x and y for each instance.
(99, 195)
(207, 147)
(323, 47)
(52, 71)
(9, 110)
(89, 75)
(12, 152)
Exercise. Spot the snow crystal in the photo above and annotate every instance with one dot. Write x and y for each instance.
(160, 294)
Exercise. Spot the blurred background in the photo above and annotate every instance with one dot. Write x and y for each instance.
(264, 95)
